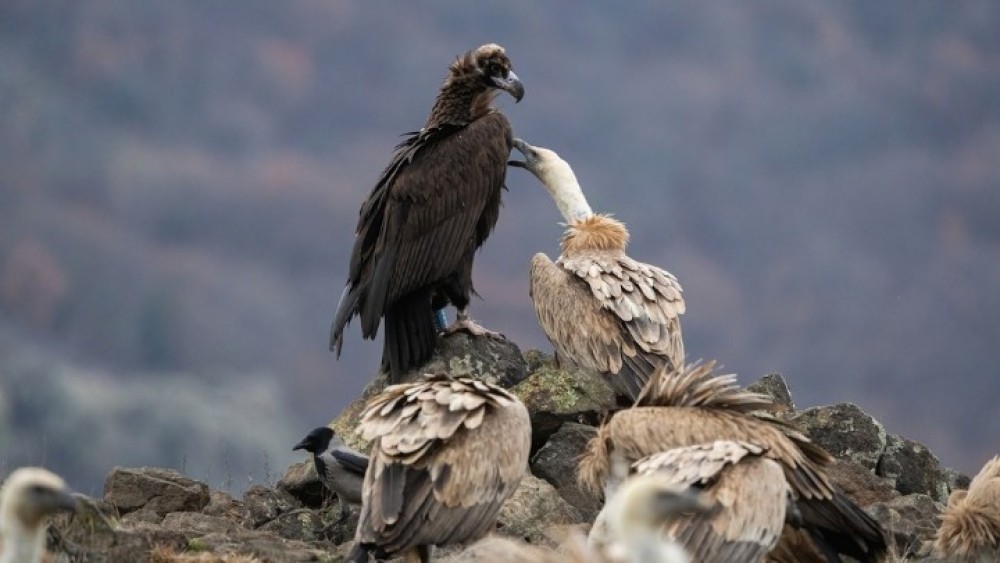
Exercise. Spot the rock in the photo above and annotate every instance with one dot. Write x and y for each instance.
(263, 505)
(265, 546)
(554, 396)
(556, 462)
(158, 490)
(910, 521)
(913, 469)
(533, 510)
(301, 524)
(142, 518)
(956, 480)
(845, 431)
(197, 524)
(302, 482)
(774, 386)
(496, 361)
(861, 485)
(223, 504)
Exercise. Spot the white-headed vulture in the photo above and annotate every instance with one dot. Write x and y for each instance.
(601, 309)
(433, 206)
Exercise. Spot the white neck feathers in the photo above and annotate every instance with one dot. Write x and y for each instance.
(565, 190)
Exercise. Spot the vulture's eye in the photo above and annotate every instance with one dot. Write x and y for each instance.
(493, 69)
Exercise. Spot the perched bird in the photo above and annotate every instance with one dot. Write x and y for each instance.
(693, 407)
(340, 468)
(433, 206)
(970, 524)
(446, 453)
(601, 309)
(634, 517)
(29, 497)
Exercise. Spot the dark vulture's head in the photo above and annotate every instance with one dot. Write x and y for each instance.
(491, 67)
(316, 441)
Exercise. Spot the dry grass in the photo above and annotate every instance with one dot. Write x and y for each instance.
(167, 554)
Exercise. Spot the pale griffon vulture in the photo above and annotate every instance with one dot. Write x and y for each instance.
(634, 518)
(29, 497)
(601, 309)
(970, 524)
(446, 453)
(693, 407)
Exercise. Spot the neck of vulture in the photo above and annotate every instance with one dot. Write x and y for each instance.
(462, 99)
(21, 544)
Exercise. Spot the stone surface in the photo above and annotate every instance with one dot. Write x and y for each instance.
(302, 482)
(158, 490)
(556, 462)
(198, 524)
(913, 469)
(774, 386)
(533, 510)
(845, 431)
(861, 485)
(910, 520)
(300, 524)
(554, 396)
(263, 505)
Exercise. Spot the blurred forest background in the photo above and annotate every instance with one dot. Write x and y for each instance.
(180, 180)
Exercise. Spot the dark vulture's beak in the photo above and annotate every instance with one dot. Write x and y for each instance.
(521, 147)
(512, 85)
(678, 502)
(65, 500)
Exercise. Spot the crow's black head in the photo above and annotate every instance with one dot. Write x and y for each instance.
(316, 441)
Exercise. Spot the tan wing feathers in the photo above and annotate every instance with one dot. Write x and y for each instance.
(446, 453)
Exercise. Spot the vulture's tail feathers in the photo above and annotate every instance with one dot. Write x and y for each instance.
(409, 334)
(845, 527)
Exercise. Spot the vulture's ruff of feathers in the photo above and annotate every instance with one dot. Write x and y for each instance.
(30, 495)
(694, 407)
(601, 309)
(446, 453)
(970, 524)
(431, 208)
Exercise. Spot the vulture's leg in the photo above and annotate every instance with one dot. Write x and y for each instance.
(464, 323)
(439, 302)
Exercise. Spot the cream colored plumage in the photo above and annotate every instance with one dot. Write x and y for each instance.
(693, 409)
(970, 524)
(601, 309)
(30, 495)
(446, 453)
(634, 517)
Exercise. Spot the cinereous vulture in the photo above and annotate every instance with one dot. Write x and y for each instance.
(601, 309)
(691, 409)
(431, 209)
(446, 453)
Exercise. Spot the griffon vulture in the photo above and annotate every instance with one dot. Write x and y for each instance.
(634, 515)
(970, 524)
(29, 497)
(693, 407)
(601, 309)
(340, 468)
(447, 453)
(433, 206)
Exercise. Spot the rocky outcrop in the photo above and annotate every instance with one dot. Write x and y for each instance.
(159, 515)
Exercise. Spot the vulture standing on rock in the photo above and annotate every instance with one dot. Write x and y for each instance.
(29, 497)
(970, 524)
(432, 208)
(446, 453)
(601, 309)
(692, 410)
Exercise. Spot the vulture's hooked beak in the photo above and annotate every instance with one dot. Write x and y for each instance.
(512, 85)
(521, 147)
(672, 502)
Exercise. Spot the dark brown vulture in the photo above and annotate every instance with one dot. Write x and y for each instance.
(446, 453)
(433, 206)
(601, 309)
(693, 407)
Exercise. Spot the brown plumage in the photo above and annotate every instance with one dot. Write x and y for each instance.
(601, 309)
(433, 206)
(970, 524)
(695, 407)
(447, 452)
